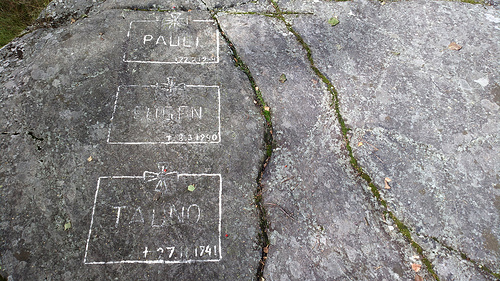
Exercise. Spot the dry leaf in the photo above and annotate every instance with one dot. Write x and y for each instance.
(416, 267)
(282, 78)
(333, 21)
(157, 196)
(67, 225)
(454, 46)
(73, 21)
(419, 278)
(386, 182)
(265, 249)
(360, 143)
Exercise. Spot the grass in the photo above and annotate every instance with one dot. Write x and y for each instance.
(263, 238)
(16, 15)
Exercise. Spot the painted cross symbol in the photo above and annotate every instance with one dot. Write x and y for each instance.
(175, 20)
(161, 178)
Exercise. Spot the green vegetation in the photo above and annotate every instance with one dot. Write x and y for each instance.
(16, 15)
(263, 238)
(469, 1)
(466, 258)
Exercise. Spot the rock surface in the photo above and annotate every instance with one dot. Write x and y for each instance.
(135, 147)
(98, 153)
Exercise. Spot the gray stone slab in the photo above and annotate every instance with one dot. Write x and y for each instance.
(183, 5)
(100, 156)
(131, 142)
(423, 115)
(323, 225)
(405, 95)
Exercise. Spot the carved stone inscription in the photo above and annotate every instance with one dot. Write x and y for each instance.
(164, 217)
(178, 39)
(166, 113)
